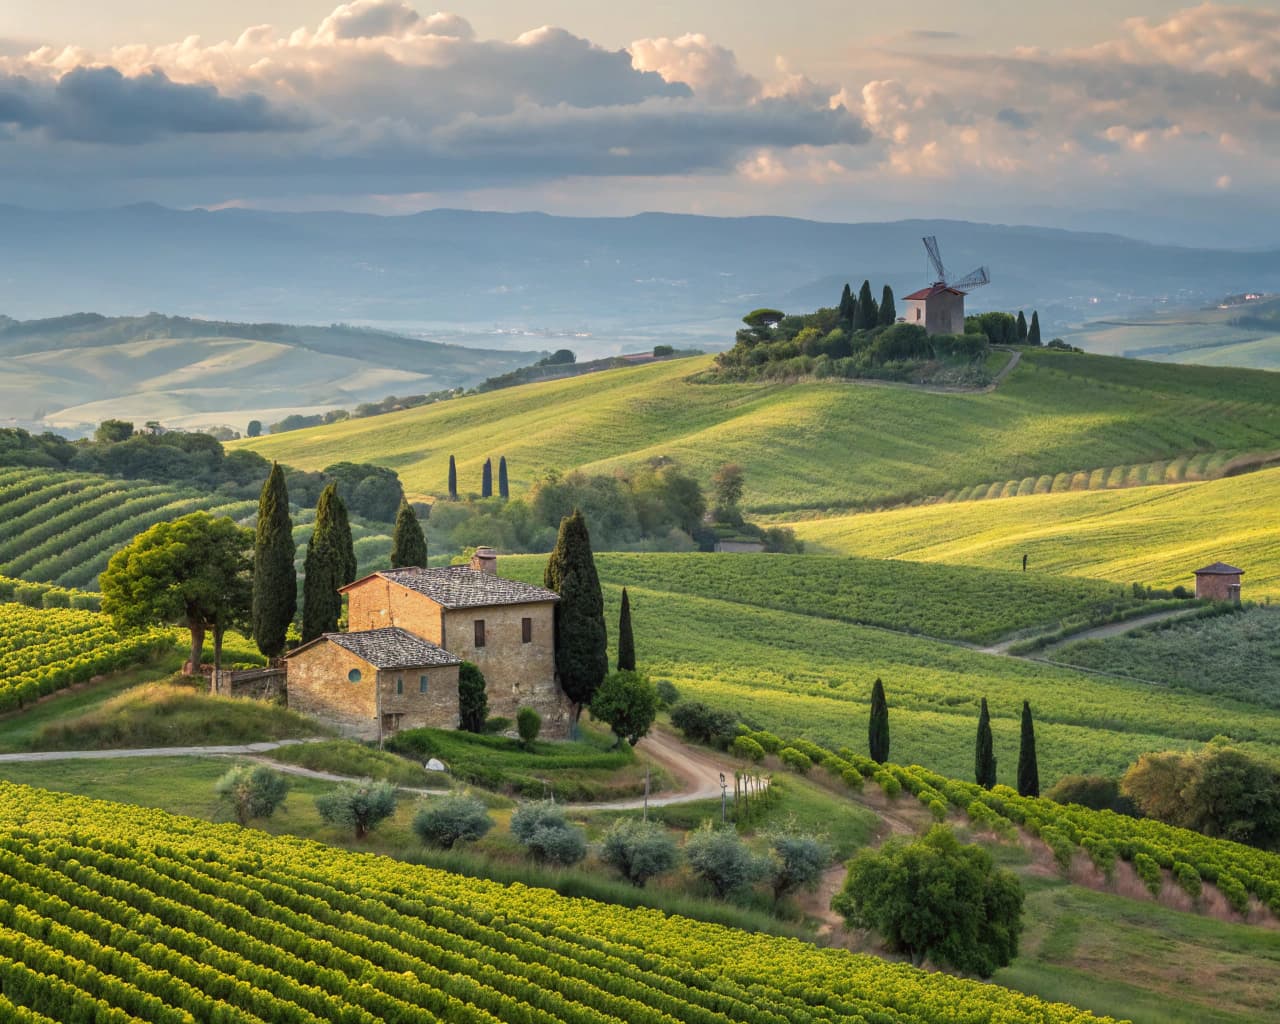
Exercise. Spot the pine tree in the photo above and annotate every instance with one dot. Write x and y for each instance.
(984, 761)
(1033, 332)
(878, 734)
(504, 491)
(868, 314)
(1022, 328)
(275, 582)
(582, 652)
(1028, 769)
(847, 306)
(626, 642)
(330, 564)
(888, 311)
(453, 479)
(486, 480)
(408, 543)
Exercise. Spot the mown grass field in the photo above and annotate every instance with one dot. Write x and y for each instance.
(1151, 535)
(817, 445)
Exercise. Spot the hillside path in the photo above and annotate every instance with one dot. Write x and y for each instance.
(1008, 368)
(111, 755)
(1096, 633)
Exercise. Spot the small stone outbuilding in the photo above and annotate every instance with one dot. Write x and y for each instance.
(939, 309)
(1218, 582)
(375, 682)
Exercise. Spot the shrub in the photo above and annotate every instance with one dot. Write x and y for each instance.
(1149, 871)
(768, 741)
(888, 782)
(747, 749)
(628, 702)
(1188, 878)
(1097, 792)
(254, 791)
(938, 809)
(798, 860)
(528, 724)
(719, 857)
(668, 695)
(542, 829)
(55, 599)
(702, 724)
(794, 759)
(1235, 892)
(497, 724)
(639, 850)
(452, 819)
(358, 807)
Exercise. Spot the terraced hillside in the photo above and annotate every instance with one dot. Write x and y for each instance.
(170, 919)
(1153, 535)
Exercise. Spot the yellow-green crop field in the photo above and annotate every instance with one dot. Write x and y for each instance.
(1151, 535)
(819, 444)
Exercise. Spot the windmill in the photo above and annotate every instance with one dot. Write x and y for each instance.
(939, 309)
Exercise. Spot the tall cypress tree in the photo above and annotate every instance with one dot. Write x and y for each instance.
(504, 491)
(984, 760)
(888, 311)
(847, 306)
(486, 480)
(1028, 769)
(275, 582)
(626, 642)
(868, 314)
(878, 733)
(408, 542)
(330, 564)
(453, 479)
(582, 641)
(1022, 328)
(1033, 332)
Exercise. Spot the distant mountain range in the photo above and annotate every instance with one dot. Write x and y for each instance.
(597, 285)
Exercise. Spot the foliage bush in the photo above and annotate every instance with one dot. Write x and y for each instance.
(720, 858)
(359, 807)
(746, 748)
(797, 862)
(542, 829)
(702, 724)
(528, 724)
(638, 850)
(627, 701)
(445, 821)
(254, 791)
(473, 702)
(795, 760)
(668, 695)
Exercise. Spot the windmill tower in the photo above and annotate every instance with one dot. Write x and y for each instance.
(939, 309)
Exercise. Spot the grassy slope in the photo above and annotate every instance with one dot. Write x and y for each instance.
(817, 444)
(1155, 535)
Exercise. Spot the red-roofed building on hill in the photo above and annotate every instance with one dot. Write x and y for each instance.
(1218, 582)
(939, 309)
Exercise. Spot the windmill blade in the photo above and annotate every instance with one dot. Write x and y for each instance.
(935, 257)
(973, 279)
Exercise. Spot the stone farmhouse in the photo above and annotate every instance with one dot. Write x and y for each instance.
(1218, 582)
(939, 309)
(410, 629)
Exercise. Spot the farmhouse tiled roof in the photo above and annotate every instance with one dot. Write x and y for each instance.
(391, 647)
(1219, 569)
(458, 586)
(932, 290)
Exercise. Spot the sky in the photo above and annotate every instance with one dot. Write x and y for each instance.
(1149, 117)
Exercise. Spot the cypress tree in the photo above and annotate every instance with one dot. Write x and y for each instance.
(984, 761)
(1033, 332)
(1022, 328)
(888, 311)
(847, 306)
(878, 734)
(275, 582)
(626, 643)
(330, 564)
(486, 480)
(453, 479)
(582, 641)
(867, 315)
(504, 491)
(1028, 769)
(408, 543)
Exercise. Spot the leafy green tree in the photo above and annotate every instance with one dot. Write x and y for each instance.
(638, 850)
(453, 479)
(1028, 769)
(504, 489)
(727, 484)
(763, 318)
(1097, 792)
(408, 542)
(275, 582)
(528, 725)
(486, 479)
(330, 564)
(719, 857)
(254, 429)
(113, 431)
(703, 724)
(797, 862)
(1022, 328)
(626, 642)
(984, 758)
(582, 651)
(847, 306)
(254, 791)
(193, 571)
(888, 313)
(446, 821)
(361, 808)
(473, 701)
(935, 899)
(868, 313)
(878, 731)
(542, 829)
(628, 702)
(1033, 332)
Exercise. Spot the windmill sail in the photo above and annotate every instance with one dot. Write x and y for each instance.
(973, 279)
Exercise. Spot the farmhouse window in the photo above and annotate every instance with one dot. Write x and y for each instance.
(479, 632)
(526, 631)
(422, 684)
(399, 684)
(354, 675)
(917, 312)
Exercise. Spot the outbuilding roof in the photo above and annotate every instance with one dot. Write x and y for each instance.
(1219, 569)
(390, 647)
(457, 586)
(934, 289)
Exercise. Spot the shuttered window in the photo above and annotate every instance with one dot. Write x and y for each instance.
(479, 632)
(526, 631)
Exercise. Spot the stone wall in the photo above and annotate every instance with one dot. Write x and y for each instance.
(1218, 587)
(376, 603)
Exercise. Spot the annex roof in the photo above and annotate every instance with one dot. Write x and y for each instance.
(390, 647)
(458, 586)
(1219, 569)
(932, 290)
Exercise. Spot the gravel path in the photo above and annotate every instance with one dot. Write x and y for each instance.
(1096, 633)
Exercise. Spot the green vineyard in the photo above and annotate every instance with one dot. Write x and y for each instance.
(111, 914)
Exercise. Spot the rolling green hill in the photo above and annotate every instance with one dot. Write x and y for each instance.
(818, 445)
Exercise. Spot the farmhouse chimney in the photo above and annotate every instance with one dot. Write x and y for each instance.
(485, 560)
